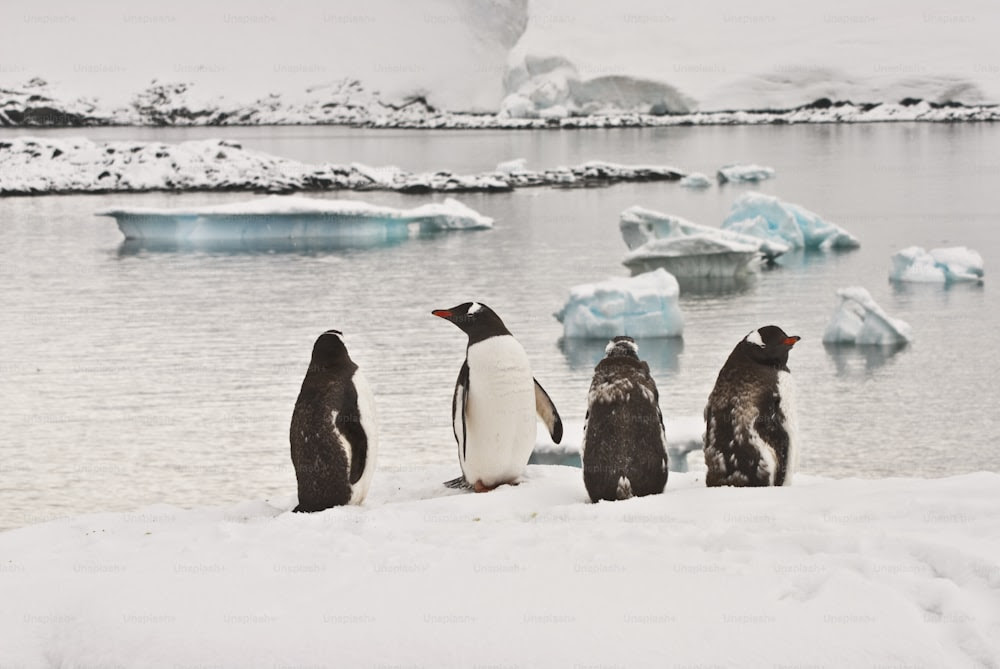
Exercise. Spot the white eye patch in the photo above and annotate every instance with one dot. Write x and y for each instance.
(754, 338)
(474, 308)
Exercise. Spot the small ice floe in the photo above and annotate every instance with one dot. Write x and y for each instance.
(859, 320)
(768, 217)
(696, 180)
(640, 226)
(294, 217)
(744, 173)
(639, 306)
(944, 265)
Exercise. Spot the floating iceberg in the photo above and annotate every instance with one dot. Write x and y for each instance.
(640, 226)
(767, 217)
(694, 257)
(956, 263)
(859, 320)
(696, 180)
(640, 306)
(743, 173)
(511, 166)
(294, 217)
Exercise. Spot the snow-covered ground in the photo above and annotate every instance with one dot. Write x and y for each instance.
(511, 63)
(838, 573)
(31, 165)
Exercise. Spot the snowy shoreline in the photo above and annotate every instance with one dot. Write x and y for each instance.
(846, 572)
(36, 165)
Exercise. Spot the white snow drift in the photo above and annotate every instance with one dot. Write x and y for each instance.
(943, 265)
(294, 217)
(841, 573)
(768, 217)
(859, 320)
(640, 306)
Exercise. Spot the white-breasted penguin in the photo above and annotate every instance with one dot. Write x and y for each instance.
(495, 402)
(750, 423)
(624, 449)
(333, 434)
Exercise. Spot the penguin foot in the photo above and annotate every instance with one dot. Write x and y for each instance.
(482, 487)
(458, 484)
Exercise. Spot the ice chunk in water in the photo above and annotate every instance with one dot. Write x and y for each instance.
(696, 180)
(768, 217)
(294, 218)
(957, 263)
(859, 320)
(740, 172)
(640, 306)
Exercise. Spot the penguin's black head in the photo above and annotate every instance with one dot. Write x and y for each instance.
(329, 351)
(769, 345)
(622, 347)
(475, 319)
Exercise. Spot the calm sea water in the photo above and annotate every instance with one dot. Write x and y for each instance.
(133, 375)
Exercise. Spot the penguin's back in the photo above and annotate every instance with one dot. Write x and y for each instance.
(624, 449)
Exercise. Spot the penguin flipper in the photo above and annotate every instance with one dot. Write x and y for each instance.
(458, 405)
(547, 412)
(458, 484)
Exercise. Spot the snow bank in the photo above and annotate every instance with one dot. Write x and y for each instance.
(294, 217)
(31, 165)
(942, 265)
(768, 56)
(896, 572)
(859, 320)
(640, 306)
(744, 173)
(640, 226)
(767, 217)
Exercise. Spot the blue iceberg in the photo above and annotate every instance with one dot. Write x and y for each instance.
(296, 218)
(944, 265)
(769, 218)
(639, 306)
(640, 226)
(859, 320)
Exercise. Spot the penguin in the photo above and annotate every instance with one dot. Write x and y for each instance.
(495, 402)
(750, 424)
(333, 433)
(624, 448)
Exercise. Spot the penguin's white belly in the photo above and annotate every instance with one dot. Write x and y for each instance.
(499, 412)
(366, 411)
(786, 391)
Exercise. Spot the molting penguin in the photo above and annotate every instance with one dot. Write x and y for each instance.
(624, 448)
(333, 433)
(495, 402)
(750, 426)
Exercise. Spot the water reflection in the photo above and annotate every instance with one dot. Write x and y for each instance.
(662, 353)
(849, 358)
(133, 247)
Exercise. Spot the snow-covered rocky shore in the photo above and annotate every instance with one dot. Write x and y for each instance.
(30, 165)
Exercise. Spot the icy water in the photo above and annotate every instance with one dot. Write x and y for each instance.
(135, 375)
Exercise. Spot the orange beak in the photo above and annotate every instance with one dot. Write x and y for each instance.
(790, 341)
(442, 313)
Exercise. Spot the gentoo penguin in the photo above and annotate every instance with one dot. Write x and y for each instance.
(333, 434)
(624, 448)
(495, 402)
(750, 416)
